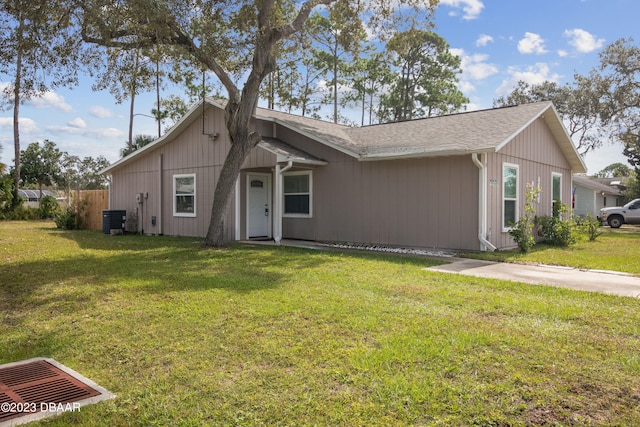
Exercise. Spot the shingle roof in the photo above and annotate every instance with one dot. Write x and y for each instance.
(475, 131)
(594, 184)
(320, 130)
(455, 134)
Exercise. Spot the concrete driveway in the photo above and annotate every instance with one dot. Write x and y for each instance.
(586, 280)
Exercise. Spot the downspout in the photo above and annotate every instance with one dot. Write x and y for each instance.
(482, 203)
(277, 235)
(109, 184)
(160, 173)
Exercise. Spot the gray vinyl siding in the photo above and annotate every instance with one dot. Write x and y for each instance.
(538, 155)
(192, 153)
(429, 203)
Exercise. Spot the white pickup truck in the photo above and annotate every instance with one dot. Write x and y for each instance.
(615, 217)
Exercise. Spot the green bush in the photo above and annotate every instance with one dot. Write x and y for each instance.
(66, 219)
(48, 207)
(590, 226)
(522, 230)
(555, 230)
(20, 213)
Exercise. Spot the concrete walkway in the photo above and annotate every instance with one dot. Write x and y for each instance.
(608, 282)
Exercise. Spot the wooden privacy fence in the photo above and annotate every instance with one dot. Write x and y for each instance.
(93, 202)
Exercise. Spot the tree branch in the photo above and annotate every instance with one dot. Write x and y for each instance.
(297, 24)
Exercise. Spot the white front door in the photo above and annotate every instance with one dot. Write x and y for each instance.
(259, 205)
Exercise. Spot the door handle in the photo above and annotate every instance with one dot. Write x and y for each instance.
(266, 211)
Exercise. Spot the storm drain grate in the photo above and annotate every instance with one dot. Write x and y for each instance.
(41, 387)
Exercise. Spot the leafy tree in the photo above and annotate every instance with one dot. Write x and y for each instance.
(425, 83)
(369, 76)
(81, 174)
(41, 164)
(38, 53)
(237, 41)
(294, 82)
(633, 186)
(614, 170)
(126, 74)
(338, 38)
(139, 142)
(300, 89)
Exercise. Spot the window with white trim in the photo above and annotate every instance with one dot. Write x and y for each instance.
(510, 192)
(556, 191)
(297, 194)
(184, 195)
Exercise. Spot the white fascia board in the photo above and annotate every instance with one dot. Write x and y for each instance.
(420, 154)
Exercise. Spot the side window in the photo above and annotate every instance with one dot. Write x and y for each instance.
(184, 195)
(510, 177)
(556, 192)
(297, 194)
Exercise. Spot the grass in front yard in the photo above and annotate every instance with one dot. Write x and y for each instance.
(284, 336)
(616, 250)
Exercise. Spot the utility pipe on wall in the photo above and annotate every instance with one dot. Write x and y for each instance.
(482, 202)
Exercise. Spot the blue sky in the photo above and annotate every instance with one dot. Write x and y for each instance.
(499, 41)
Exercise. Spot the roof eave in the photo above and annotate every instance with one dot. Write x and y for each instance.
(421, 154)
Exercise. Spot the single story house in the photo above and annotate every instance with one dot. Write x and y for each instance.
(592, 194)
(449, 182)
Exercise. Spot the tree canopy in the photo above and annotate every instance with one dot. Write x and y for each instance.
(239, 41)
(424, 82)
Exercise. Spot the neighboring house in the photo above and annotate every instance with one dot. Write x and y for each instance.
(32, 197)
(593, 194)
(449, 182)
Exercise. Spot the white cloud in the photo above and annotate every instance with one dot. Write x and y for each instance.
(100, 112)
(483, 40)
(471, 8)
(77, 123)
(50, 100)
(86, 131)
(474, 68)
(466, 86)
(562, 53)
(27, 126)
(534, 74)
(583, 41)
(531, 43)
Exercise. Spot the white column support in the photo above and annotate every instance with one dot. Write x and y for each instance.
(277, 203)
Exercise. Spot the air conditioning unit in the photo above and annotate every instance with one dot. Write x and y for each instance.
(113, 220)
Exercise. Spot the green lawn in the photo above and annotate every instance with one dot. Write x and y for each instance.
(615, 249)
(283, 336)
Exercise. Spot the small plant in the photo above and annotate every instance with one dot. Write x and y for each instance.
(71, 217)
(522, 230)
(590, 226)
(66, 218)
(555, 230)
(48, 207)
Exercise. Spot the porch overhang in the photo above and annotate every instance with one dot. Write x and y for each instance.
(286, 153)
